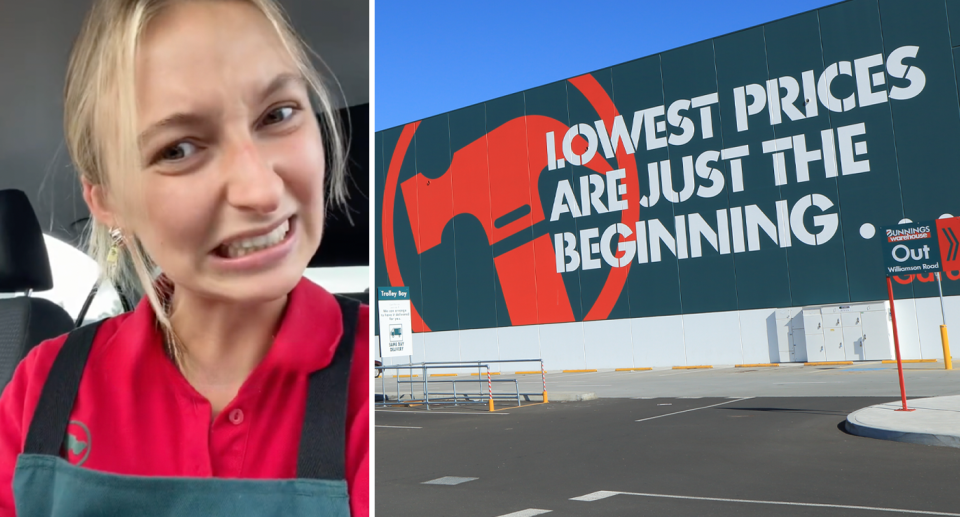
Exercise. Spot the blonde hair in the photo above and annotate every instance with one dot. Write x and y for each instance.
(100, 127)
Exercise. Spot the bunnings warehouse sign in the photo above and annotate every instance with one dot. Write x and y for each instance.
(754, 170)
(911, 248)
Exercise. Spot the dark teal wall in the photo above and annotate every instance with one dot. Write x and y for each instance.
(479, 179)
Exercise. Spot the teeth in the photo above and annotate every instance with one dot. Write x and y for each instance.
(246, 246)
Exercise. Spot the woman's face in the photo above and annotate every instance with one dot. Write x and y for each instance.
(231, 204)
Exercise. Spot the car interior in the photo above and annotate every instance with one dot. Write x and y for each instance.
(25, 320)
(25, 267)
(48, 284)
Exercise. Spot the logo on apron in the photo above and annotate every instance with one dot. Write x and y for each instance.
(76, 444)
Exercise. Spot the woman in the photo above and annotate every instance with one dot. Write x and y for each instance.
(236, 387)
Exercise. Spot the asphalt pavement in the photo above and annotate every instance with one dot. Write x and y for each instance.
(872, 378)
(722, 441)
(656, 456)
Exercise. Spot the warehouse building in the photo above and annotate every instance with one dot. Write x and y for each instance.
(715, 204)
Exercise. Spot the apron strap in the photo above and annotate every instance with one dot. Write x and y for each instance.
(52, 415)
(323, 439)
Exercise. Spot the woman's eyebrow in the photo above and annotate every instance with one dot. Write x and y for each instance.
(175, 120)
(192, 119)
(280, 82)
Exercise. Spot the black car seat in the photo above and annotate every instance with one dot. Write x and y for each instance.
(24, 267)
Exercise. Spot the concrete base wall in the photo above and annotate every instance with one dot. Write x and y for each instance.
(720, 338)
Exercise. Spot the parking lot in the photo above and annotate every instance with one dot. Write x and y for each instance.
(741, 451)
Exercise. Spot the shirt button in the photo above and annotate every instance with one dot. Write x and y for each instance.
(236, 416)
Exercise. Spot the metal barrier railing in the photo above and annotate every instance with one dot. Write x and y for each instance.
(446, 397)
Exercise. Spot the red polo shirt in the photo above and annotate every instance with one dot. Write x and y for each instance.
(135, 414)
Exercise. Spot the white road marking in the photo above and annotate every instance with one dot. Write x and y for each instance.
(448, 480)
(808, 382)
(692, 370)
(690, 397)
(529, 512)
(595, 496)
(440, 412)
(604, 494)
(568, 375)
(694, 409)
(399, 427)
(578, 384)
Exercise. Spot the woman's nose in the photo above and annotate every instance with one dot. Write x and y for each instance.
(252, 182)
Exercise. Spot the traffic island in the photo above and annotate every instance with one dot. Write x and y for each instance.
(563, 396)
(935, 421)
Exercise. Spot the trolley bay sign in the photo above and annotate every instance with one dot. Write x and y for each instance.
(911, 248)
(396, 339)
(745, 172)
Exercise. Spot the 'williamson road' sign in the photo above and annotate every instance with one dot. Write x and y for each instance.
(911, 248)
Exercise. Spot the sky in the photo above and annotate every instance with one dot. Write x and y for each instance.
(437, 56)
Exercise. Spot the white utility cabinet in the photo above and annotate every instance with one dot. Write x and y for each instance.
(852, 332)
(812, 328)
(790, 343)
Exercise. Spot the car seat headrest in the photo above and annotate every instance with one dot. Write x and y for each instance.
(24, 263)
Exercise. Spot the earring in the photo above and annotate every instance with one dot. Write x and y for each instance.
(114, 254)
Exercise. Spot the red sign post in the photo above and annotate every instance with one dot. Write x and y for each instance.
(896, 346)
(925, 247)
(908, 248)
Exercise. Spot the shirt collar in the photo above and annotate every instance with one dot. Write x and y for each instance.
(309, 332)
(311, 329)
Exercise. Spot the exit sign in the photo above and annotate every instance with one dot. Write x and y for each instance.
(911, 248)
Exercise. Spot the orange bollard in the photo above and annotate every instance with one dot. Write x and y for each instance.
(947, 360)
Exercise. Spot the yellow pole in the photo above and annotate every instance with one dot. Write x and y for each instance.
(947, 360)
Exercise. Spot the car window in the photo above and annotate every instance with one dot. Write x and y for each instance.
(340, 280)
(105, 304)
(74, 274)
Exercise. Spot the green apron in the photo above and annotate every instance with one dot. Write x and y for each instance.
(45, 485)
